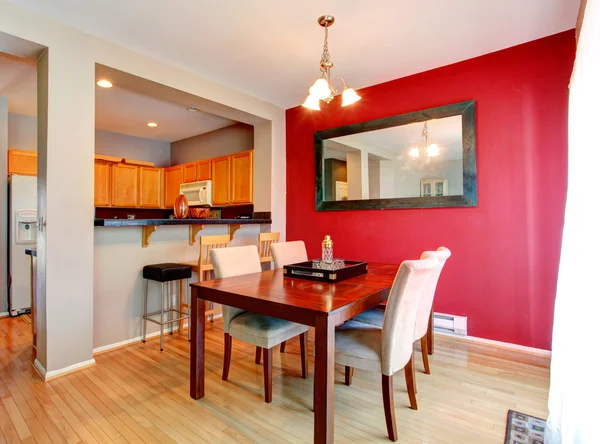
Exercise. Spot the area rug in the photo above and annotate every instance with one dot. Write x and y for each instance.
(524, 429)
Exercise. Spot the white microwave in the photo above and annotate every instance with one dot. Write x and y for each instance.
(197, 193)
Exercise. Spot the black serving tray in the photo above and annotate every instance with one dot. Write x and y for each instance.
(305, 270)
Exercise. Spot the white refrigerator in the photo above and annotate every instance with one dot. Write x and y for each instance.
(22, 210)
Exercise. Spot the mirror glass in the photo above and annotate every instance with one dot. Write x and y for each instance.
(422, 159)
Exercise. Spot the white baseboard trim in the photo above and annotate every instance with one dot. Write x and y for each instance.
(47, 376)
(4, 314)
(507, 345)
(109, 347)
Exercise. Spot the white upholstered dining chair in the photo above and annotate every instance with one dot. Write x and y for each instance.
(285, 253)
(262, 331)
(375, 315)
(389, 348)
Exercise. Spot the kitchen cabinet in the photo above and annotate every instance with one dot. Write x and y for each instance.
(22, 162)
(173, 179)
(102, 197)
(125, 185)
(220, 180)
(150, 187)
(189, 172)
(203, 170)
(241, 178)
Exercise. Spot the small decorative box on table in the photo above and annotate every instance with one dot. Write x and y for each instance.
(317, 270)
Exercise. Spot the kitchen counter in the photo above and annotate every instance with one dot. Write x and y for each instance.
(156, 222)
(149, 226)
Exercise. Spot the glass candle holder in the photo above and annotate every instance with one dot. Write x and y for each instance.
(327, 250)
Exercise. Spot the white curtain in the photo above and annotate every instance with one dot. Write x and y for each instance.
(574, 402)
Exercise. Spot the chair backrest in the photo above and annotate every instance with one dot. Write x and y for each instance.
(265, 240)
(423, 315)
(208, 243)
(400, 316)
(235, 261)
(285, 253)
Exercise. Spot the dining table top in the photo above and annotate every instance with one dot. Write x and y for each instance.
(274, 287)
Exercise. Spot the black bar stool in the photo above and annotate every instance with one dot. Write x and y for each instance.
(166, 273)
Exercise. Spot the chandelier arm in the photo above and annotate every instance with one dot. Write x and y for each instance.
(332, 84)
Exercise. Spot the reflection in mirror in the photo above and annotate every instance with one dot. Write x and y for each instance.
(423, 159)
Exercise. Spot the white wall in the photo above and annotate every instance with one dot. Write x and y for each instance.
(138, 148)
(22, 135)
(68, 243)
(22, 132)
(3, 205)
(118, 253)
(229, 140)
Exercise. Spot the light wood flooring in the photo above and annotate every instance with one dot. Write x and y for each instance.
(138, 394)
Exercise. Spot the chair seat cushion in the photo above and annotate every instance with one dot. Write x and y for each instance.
(358, 345)
(167, 272)
(374, 316)
(263, 331)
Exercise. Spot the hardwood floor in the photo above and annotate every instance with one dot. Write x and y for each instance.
(138, 394)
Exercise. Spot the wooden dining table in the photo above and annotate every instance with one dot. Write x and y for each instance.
(316, 304)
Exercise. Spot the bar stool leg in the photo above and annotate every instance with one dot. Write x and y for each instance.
(188, 295)
(162, 313)
(170, 299)
(145, 311)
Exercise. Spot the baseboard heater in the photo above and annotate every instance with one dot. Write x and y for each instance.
(450, 323)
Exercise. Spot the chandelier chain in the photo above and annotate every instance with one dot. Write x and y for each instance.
(326, 56)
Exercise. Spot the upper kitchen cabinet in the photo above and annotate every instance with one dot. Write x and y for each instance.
(220, 180)
(189, 172)
(173, 179)
(22, 162)
(150, 187)
(125, 185)
(102, 197)
(203, 170)
(242, 173)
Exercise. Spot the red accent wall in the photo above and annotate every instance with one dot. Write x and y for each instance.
(505, 252)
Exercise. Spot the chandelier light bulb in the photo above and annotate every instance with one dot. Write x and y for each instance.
(349, 97)
(312, 102)
(320, 89)
(414, 152)
(433, 150)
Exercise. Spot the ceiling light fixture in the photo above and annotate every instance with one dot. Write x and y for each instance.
(431, 150)
(324, 88)
(152, 124)
(103, 83)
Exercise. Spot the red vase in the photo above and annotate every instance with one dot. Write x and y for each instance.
(181, 207)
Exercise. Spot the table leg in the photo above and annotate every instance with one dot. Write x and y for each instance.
(324, 379)
(197, 345)
(430, 333)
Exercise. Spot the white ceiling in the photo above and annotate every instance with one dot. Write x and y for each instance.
(271, 48)
(394, 143)
(118, 109)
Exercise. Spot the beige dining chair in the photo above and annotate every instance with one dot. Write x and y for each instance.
(262, 331)
(375, 315)
(389, 348)
(285, 253)
(265, 240)
(203, 267)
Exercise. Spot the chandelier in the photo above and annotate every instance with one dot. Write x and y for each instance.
(430, 150)
(324, 88)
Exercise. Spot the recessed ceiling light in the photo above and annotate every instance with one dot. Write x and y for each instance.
(192, 109)
(152, 124)
(104, 83)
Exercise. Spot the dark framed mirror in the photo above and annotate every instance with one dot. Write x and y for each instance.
(423, 159)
